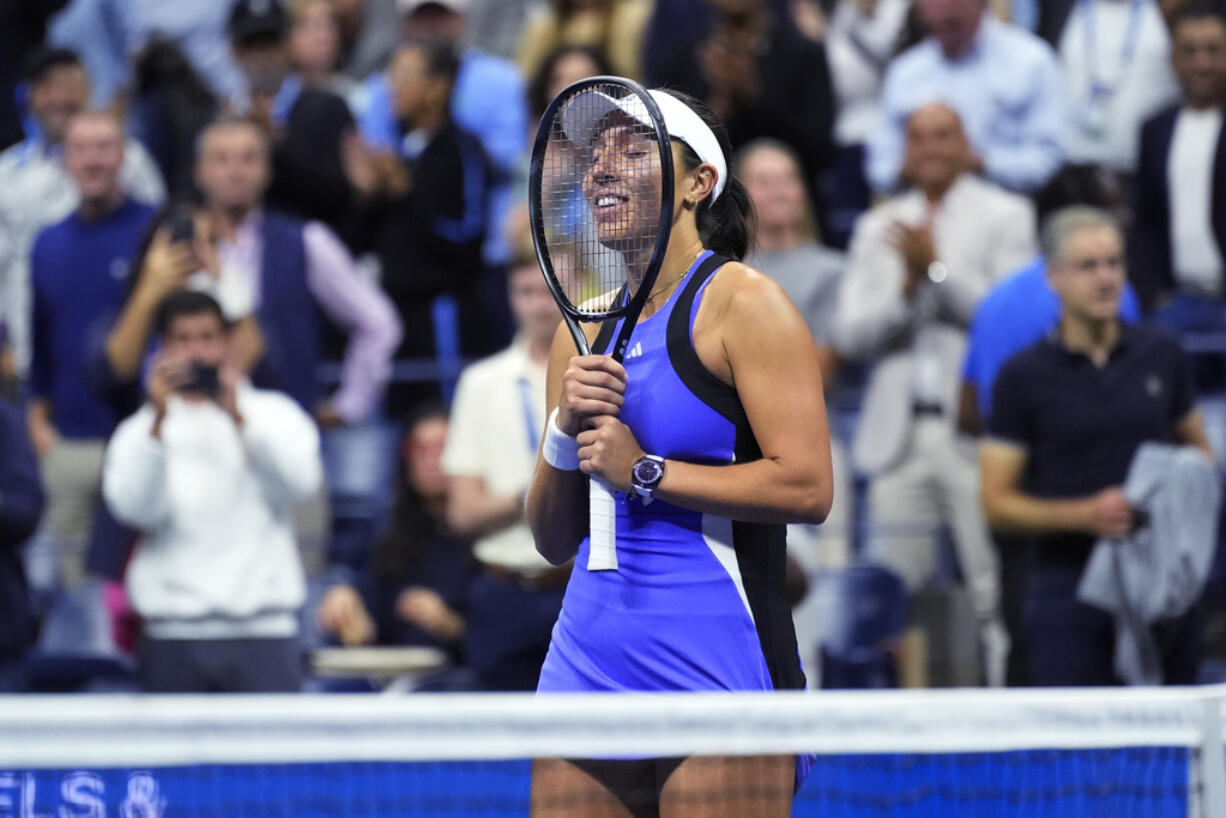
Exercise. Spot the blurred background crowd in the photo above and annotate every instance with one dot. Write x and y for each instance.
(274, 337)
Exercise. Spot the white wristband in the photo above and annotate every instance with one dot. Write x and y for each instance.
(559, 449)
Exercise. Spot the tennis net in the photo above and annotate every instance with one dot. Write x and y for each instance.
(1151, 753)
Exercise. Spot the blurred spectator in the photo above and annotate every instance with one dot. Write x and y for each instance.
(210, 469)
(496, 424)
(1021, 309)
(919, 264)
(760, 75)
(23, 26)
(79, 274)
(1180, 233)
(21, 504)
(565, 65)
(100, 31)
(1068, 415)
(1115, 56)
(420, 569)
(171, 105)
(424, 217)
(1016, 313)
(488, 101)
(1004, 83)
(35, 189)
(1180, 221)
(199, 28)
(615, 28)
(290, 275)
(305, 124)
(314, 46)
(786, 247)
(862, 37)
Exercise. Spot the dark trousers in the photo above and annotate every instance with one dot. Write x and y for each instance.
(1071, 644)
(509, 628)
(219, 665)
(1015, 558)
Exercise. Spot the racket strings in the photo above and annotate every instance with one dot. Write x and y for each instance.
(600, 198)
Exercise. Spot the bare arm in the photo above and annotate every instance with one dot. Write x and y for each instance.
(246, 343)
(165, 269)
(360, 308)
(556, 507)
(43, 433)
(750, 335)
(1191, 431)
(1007, 507)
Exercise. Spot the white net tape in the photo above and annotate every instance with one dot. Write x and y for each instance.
(85, 732)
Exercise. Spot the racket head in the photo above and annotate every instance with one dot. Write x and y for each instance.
(601, 199)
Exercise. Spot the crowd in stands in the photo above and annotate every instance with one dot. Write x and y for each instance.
(273, 336)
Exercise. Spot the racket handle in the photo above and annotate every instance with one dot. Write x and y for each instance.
(602, 547)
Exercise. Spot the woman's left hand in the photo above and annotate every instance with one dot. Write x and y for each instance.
(609, 451)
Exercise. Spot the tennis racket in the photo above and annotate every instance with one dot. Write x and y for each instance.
(601, 206)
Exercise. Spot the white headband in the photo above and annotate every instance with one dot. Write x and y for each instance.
(679, 120)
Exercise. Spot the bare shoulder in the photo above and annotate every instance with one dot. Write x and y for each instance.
(745, 313)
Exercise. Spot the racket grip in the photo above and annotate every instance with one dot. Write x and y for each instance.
(602, 546)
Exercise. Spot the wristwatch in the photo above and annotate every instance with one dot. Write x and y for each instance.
(645, 475)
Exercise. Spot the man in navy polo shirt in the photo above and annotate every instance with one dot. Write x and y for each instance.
(1068, 414)
(79, 271)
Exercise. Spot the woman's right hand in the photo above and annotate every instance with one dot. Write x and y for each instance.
(341, 612)
(593, 386)
(424, 608)
(167, 265)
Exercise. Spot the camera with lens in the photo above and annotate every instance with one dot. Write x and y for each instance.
(203, 380)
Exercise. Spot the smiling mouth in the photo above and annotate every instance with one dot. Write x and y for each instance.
(605, 201)
(607, 207)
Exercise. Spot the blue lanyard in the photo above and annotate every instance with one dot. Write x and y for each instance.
(530, 424)
(1128, 49)
(285, 100)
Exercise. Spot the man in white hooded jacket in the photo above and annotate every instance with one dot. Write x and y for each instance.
(210, 471)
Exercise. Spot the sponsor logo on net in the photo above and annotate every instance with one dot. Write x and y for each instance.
(81, 795)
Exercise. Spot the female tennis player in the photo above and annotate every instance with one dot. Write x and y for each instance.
(713, 434)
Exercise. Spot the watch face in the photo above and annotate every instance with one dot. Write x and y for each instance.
(647, 472)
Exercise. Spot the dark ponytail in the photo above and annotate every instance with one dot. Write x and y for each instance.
(726, 226)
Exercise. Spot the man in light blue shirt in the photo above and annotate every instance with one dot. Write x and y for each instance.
(488, 101)
(100, 31)
(1004, 83)
(199, 28)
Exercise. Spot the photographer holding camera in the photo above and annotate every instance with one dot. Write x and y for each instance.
(210, 471)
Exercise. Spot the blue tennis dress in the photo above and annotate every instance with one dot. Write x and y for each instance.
(698, 602)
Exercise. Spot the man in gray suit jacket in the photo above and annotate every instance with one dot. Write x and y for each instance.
(919, 264)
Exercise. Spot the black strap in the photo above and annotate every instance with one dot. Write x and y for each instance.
(608, 327)
(605, 336)
(689, 368)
